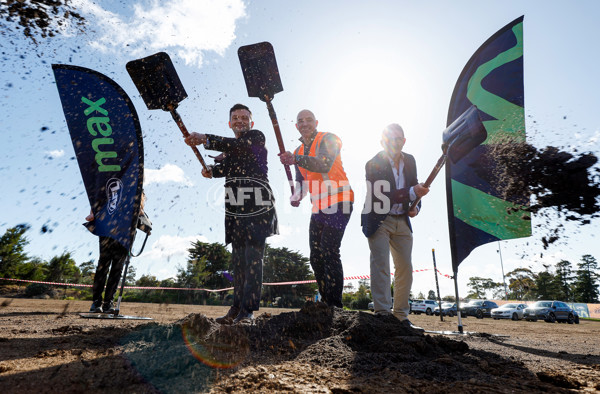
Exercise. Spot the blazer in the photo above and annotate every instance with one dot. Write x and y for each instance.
(379, 169)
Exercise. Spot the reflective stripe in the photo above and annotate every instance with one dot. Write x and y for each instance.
(324, 190)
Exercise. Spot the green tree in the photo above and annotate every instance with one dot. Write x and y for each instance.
(12, 245)
(207, 264)
(283, 265)
(431, 295)
(563, 279)
(194, 274)
(147, 281)
(169, 282)
(480, 286)
(586, 280)
(545, 284)
(63, 268)
(34, 269)
(130, 277)
(521, 284)
(88, 270)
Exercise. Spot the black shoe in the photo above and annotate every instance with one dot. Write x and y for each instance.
(244, 316)
(406, 323)
(96, 307)
(109, 308)
(229, 317)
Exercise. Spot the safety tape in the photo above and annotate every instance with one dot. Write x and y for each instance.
(298, 282)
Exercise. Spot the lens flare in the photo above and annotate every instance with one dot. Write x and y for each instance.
(215, 345)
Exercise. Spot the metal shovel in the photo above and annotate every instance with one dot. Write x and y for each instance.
(160, 87)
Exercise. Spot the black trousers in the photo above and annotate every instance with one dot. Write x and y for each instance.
(326, 231)
(247, 260)
(112, 257)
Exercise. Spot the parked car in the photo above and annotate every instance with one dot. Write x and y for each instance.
(512, 311)
(423, 306)
(550, 311)
(448, 309)
(371, 306)
(478, 308)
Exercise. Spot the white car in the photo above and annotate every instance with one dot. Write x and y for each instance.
(423, 306)
(512, 311)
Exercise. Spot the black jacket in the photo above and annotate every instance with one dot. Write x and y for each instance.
(249, 201)
(379, 169)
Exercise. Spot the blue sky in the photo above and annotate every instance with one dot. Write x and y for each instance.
(358, 65)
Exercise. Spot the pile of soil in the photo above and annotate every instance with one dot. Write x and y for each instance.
(318, 349)
(45, 346)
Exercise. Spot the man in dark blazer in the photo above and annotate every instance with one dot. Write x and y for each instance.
(391, 187)
(249, 206)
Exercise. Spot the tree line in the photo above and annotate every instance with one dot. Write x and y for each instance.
(561, 282)
(208, 266)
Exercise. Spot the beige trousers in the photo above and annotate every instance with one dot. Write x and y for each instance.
(393, 236)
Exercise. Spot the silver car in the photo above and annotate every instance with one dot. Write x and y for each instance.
(512, 311)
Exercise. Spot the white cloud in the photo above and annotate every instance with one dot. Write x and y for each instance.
(169, 246)
(282, 238)
(55, 154)
(169, 173)
(185, 27)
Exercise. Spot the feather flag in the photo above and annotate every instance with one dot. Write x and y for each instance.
(478, 210)
(107, 139)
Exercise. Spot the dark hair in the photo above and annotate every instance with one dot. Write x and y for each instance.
(239, 106)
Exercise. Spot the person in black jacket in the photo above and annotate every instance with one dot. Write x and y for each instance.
(110, 263)
(249, 206)
(391, 187)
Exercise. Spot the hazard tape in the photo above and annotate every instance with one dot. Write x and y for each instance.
(298, 282)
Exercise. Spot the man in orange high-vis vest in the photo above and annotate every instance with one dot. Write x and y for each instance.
(319, 171)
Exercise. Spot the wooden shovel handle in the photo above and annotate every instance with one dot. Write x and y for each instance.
(273, 117)
(185, 133)
(440, 163)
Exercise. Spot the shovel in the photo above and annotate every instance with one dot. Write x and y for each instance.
(159, 85)
(262, 80)
(460, 138)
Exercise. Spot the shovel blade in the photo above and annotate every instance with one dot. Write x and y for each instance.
(157, 81)
(260, 70)
(464, 134)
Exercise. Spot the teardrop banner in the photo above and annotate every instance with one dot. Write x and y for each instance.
(107, 139)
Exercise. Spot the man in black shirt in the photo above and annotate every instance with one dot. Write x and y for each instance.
(249, 206)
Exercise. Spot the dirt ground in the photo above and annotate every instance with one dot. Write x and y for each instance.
(46, 347)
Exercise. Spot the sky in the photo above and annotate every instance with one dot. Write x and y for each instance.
(357, 65)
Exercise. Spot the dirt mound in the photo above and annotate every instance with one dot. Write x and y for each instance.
(315, 349)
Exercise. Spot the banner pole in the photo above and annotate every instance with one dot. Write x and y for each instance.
(437, 285)
(118, 308)
(460, 326)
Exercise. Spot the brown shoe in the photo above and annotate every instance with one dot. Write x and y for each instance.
(228, 318)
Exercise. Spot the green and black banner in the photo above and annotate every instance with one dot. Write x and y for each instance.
(107, 139)
(478, 210)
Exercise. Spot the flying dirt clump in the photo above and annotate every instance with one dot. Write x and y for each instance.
(557, 184)
(45, 17)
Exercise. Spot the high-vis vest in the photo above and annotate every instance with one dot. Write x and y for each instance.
(329, 188)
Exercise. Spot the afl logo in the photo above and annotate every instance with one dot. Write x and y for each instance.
(244, 197)
(114, 193)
